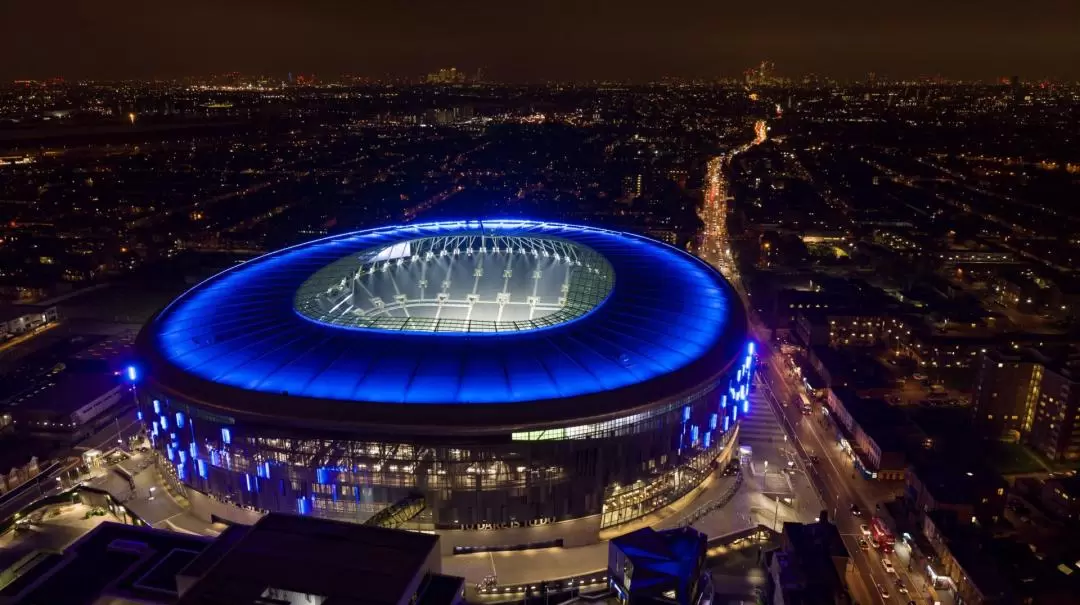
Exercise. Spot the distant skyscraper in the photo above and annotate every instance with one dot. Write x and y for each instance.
(1017, 92)
(764, 74)
(446, 76)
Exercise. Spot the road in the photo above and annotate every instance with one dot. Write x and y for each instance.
(61, 475)
(790, 438)
(834, 475)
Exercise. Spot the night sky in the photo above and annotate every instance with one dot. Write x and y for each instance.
(529, 41)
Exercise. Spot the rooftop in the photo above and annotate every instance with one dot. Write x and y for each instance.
(120, 561)
(661, 558)
(342, 563)
(953, 480)
(808, 571)
(884, 423)
(63, 394)
(852, 369)
(17, 450)
(669, 324)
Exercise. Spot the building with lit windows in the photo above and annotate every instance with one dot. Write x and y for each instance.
(1033, 395)
(513, 373)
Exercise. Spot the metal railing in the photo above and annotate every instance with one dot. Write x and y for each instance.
(715, 503)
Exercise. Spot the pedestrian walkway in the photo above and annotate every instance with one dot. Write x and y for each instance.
(759, 426)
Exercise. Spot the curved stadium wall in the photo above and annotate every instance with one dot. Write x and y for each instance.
(510, 372)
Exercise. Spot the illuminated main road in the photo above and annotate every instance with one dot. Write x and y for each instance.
(829, 481)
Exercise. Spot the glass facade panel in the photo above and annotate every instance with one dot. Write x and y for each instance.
(621, 468)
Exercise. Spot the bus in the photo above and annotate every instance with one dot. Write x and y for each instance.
(883, 539)
(804, 401)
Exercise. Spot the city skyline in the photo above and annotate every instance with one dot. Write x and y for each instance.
(708, 303)
(553, 41)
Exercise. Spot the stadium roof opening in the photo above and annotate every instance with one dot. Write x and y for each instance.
(466, 282)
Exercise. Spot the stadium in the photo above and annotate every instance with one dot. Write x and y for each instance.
(510, 373)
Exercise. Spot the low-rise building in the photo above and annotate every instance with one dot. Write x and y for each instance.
(661, 567)
(280, 559)
(851, 370)
(850, 328)
(978, 568)
(960, 566)
(68, 404)
(811, 567)
(971, 491)
(20, 459)
(20, 319)
(874, 431)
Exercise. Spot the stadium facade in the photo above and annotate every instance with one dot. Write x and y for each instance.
(514, 373)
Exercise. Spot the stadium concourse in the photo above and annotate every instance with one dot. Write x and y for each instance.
(749, 508)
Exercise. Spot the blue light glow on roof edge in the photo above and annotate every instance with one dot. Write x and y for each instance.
(240, 328)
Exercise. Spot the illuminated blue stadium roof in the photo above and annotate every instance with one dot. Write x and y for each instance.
(381, 325)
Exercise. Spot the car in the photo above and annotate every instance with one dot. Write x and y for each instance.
(855, 510)
(900, 586)
(884, 591)
(863, 544)
(814, 459)
(887, 564)
(865, 529)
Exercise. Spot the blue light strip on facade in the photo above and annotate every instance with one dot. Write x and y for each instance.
(202, 468)
(157, 406)
(179, 420)
(226, 436)
(247, 478)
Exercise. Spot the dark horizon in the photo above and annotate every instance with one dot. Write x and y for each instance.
(119, 39)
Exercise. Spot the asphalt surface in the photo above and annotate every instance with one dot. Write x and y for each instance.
(835, 476)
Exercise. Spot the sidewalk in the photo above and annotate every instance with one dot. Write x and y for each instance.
(155, 507)
(747, 508)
